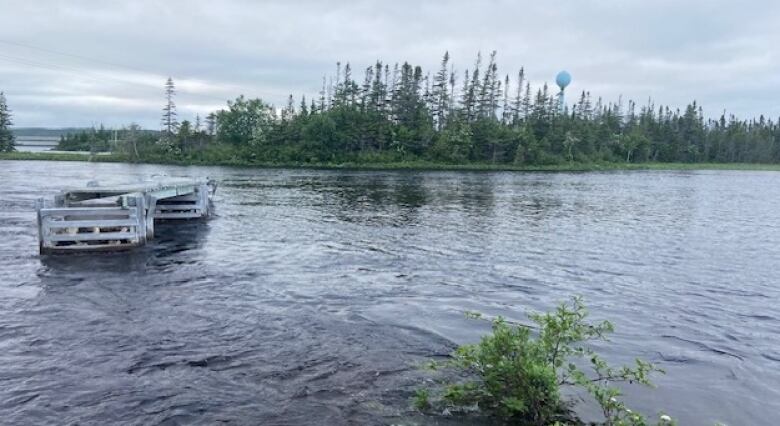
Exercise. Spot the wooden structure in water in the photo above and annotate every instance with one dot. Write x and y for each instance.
(117, 217)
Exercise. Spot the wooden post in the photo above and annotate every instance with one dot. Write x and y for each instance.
(151, 207)
(203, 199)
(140, 217)
(39, 203)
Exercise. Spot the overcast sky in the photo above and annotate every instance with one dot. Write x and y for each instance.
(79, 63)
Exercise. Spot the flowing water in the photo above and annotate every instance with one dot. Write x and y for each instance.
(311, 297)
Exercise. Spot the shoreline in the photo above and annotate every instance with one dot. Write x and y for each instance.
(420, 165)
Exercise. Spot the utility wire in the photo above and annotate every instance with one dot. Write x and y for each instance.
(84, 58)
(56, 67)
(81, 71)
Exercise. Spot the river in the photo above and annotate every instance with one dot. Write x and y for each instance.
(311, 297)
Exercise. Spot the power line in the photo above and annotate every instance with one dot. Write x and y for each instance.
(85, 58)
(56, 67)
(81, 71)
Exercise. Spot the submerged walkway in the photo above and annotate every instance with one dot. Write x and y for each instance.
(117, 217)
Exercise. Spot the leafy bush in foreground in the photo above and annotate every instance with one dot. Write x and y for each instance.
(517, 376)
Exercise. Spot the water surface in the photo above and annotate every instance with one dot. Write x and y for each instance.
(311, 296)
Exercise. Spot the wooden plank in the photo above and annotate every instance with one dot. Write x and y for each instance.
(112, 201)
(94, 236)
(85, 211)
(113, 196)
(178, 215)
(88, 248)
(161, 194)
(187, 197)
(183, 186)
(150, 185)
(89, 223)
(177, 207)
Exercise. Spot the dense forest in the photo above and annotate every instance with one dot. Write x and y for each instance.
(401, 113)
(103, 140)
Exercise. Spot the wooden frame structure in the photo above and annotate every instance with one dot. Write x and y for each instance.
(119, 217)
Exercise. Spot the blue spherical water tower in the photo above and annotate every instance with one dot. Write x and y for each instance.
(563, 79)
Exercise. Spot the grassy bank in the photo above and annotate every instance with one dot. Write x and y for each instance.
(407, 165)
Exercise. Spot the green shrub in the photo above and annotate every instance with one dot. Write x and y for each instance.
(516, 375)
(422, 399)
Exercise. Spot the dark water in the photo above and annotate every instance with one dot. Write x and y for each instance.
(312, 295)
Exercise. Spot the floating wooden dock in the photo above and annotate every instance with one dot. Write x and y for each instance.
(117, 217)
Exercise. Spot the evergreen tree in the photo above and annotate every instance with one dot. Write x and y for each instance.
(471, 101)
(304, 107)
(402, 113)
(487, 94)
(453, 82)
(6, 136)
(506, 112)
(527, 100)
(185, 136)
(517, 104)
(211, 124)
(170, 122)
(323, 96)
(288, 112)
(440, 93)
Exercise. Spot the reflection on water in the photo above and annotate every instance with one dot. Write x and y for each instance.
(311, 296)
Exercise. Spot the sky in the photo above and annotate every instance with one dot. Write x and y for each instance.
(81, 63)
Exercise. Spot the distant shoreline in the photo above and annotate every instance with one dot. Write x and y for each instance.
(410, 165)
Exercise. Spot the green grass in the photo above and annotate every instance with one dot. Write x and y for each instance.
(406, 165)
(49, 156)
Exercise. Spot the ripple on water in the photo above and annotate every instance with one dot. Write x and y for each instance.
(312, 296)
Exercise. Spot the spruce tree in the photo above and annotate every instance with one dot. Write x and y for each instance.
(465, 95)
(471, 102)
(365, 90)
(440, 93)
(453, 82)
(170, 122)
(6, 137)
(506, 112)
(323, 95)
(330, 92)
(350, 87)
(527, 99)
(408, 113)
(388, 94)
(487, 94)
(377, 92)
(304, 107)
(517, 103)
(288, 112)
(338, 89)
(211, 124)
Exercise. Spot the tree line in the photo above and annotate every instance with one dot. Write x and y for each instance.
(401, 113)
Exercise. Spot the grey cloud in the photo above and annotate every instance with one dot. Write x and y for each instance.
(720, 53)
